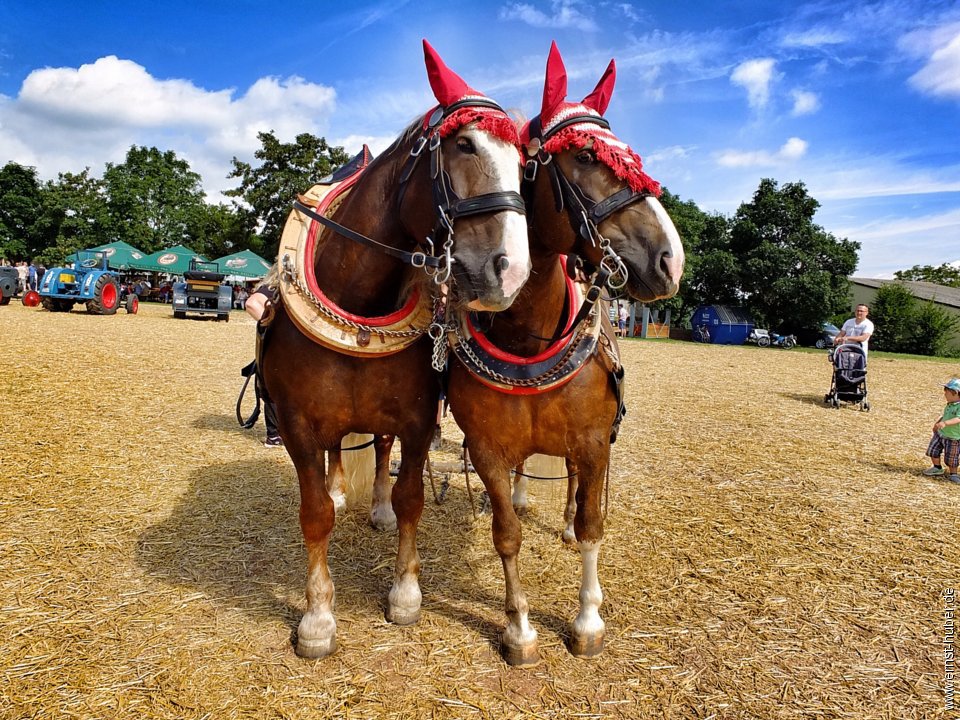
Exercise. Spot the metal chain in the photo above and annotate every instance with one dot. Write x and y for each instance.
(291, 273)
(552, 374)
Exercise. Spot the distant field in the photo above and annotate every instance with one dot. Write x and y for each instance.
(765, 556)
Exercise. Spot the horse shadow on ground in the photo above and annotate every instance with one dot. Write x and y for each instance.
(234, 536)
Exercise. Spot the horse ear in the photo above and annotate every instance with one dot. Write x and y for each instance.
(447, 86)
(600, 97)
(554, 84)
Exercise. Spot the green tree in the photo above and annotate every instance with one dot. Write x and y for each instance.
(285, 170)
(154, 199)
(945, 274)
(73, 215)
(218, 230)
(20, 209)
(791, 271)
(904, 324)
(707, 266)
(892, 312)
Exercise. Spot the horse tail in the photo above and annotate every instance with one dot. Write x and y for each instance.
(359, 465)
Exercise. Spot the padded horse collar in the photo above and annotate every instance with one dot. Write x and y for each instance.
(526, 376)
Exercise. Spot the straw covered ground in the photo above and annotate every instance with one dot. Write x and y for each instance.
(765, 556)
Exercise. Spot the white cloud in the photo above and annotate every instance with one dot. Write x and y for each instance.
(755, 76)
(941, 75)
(793, 149)
(91, 115)
(563, 14)
(804, 102)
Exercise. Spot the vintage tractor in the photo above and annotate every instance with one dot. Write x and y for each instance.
(8, 283)
(202, 292)
(88, 282)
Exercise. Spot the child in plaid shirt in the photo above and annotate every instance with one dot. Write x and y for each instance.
(946, 435)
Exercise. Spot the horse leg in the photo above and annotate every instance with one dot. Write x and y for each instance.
(519, 498)
(519, 640)
(382, 516)
(336, 480)
(317, 632)
(570, 510)
(588, 629)
(403, 602)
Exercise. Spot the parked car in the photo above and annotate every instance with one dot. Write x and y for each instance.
(822, 338)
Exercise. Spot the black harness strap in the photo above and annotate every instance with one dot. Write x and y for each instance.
(416, 259)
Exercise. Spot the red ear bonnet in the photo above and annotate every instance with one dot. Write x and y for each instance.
(609, 149)
(449, 88)
(600, 97)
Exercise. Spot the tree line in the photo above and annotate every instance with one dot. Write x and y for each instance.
(770, 257)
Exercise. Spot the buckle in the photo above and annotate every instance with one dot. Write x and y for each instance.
(530, 170)
(593, 294)
(418, 259)
(418, 146)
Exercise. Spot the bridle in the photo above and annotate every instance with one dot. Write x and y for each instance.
(437, 259)
(585, 214)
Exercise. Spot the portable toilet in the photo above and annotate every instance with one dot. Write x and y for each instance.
(721, 324)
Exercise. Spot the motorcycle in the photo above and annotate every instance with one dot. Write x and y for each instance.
(784, 341)
(765, 338)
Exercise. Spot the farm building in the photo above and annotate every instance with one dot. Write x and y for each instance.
(724, 325)
(864, 291)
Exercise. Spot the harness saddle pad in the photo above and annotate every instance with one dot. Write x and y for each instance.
(317, 316)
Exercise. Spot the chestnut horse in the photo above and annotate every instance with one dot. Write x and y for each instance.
(366, 263)
(547, 369)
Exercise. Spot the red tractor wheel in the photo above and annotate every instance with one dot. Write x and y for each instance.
(132, 304)
(106, 296)
(31, 298)
(4, 299)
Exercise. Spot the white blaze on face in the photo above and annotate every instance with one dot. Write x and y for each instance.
(674, 245)
(502, 159)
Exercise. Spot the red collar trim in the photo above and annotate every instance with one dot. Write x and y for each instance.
(573, 299)
(310, 277)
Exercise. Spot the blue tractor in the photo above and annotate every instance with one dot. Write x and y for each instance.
(88, 282)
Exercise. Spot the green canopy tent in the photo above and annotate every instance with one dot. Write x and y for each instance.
(243, 265)
(174, 260)
(120, 255)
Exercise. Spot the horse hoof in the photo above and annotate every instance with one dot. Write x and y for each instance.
(521, 655)
(569, 536)
(586, 647)
(403, 616)
(520, 510)
(383, 523)
(315, 649)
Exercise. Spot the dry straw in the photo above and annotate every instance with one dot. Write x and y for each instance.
(765, 556)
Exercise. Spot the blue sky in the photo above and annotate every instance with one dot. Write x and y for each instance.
(859, 100)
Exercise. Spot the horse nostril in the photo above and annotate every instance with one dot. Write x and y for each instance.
(500, 263)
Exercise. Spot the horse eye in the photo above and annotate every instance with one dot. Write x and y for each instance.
(586, 157)
(465, 146)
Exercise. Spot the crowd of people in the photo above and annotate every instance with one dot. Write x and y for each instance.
(29, 275)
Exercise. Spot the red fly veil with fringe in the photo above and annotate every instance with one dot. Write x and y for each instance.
(450, 88)
(612, 152)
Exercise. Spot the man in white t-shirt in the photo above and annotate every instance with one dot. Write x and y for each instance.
(856, 330)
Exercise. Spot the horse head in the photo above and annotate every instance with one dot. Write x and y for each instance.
(475, 202)
(613, 216)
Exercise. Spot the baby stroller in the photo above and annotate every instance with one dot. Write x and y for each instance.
(849, 382)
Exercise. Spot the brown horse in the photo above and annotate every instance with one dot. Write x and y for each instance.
(356, 360)
(548, 373)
